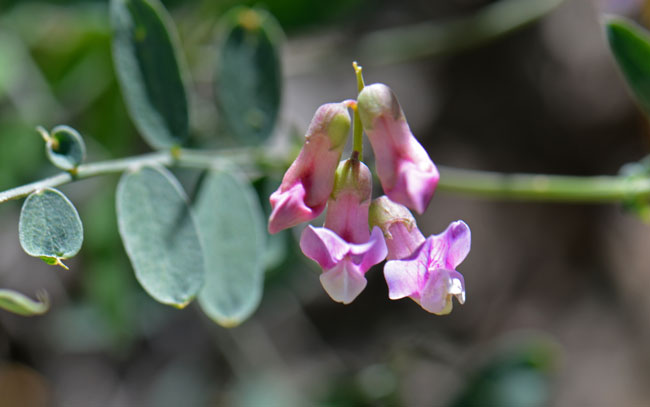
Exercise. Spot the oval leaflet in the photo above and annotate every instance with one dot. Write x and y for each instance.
(50, 227)
(231, 224)
(150, 71)
(160, 235)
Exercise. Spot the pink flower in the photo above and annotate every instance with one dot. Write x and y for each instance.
(429, 275)
(344, 248)
(407, 174)
(344, 264)
(347, 208)
(398, 224)
(308, 183)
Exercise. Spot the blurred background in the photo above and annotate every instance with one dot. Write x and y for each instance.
(557, 310)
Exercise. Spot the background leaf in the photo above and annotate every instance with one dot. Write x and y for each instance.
(50, 226)
(67, 149)
(248, 76)
(149, 71)
(20, 304)
(231, 225)
(160, 235)
(630, 45)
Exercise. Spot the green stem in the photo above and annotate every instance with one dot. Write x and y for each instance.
(522, 187)
(185, 158)
(539, 187)
(358, 130)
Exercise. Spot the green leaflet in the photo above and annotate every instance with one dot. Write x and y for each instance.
(160, 235)
(630, 45)
(64, 147)
(248, 78)
(231, 224)
(50, 227)
(149, 71)
(20, 304)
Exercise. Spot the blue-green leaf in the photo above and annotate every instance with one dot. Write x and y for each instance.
(231, 225)
(64, 147)
(50, 227)
(248, 75)
(160, 235)
(150, 71)
(20, 304)
(630, 45)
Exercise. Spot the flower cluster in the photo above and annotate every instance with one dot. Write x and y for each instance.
(360, 232)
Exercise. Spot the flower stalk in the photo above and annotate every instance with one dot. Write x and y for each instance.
(357, 141)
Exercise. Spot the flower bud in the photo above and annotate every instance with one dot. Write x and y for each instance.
(347, 208)
(308, 183)
(398, 224)
(407, 174)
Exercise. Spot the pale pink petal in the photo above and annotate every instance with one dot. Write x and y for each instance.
(407, 174)
(436, 297)
(398, 224)
(308, 182)
(372, 252)
(348, 217)
(344, 282)
(347, 208)
(323, 246)
(405, 278)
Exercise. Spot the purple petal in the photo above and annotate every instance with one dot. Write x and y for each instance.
(344, 282)
(323, 246)
(451, 246)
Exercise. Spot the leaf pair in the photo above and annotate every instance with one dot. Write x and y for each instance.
(153, 77)
(213, 249)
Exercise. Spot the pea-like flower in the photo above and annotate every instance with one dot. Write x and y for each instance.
(429, 275)
(308, 183)
(398, 224)
(344, 248)
(407, 174)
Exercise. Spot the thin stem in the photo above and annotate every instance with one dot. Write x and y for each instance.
(186, 158)
(522, 187)
(539, 187)
(358, 130)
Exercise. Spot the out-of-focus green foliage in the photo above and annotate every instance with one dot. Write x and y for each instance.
(19, 304)
(517, 375)
(150, 70)
(630, 45)
(248, 81)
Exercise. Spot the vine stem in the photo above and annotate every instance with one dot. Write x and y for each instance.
(523, 187)
(177, 157)
(540, 187)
